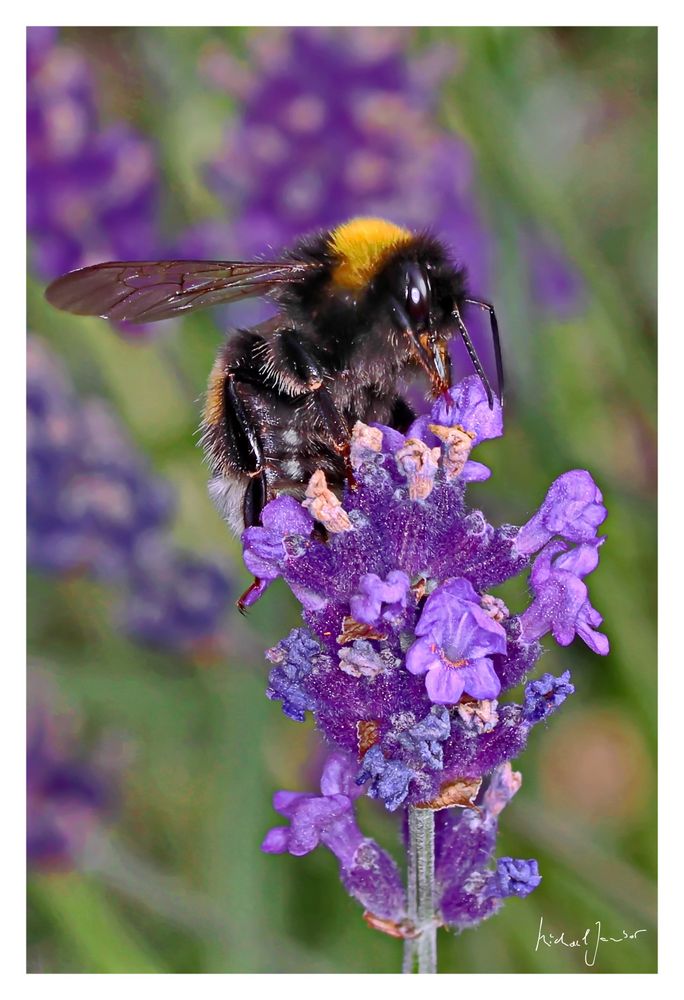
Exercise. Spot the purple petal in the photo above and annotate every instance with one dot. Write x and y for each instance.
(339, 776)
(475, 472)
(587, 621)
(286, 516)
(480, 679)
(276, 840)
(445, 685)
(582, 560)
(367, 604)
(420, 657)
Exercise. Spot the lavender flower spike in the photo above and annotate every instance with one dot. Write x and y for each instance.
(405, 656)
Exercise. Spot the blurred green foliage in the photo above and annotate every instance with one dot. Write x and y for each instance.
(179, 885)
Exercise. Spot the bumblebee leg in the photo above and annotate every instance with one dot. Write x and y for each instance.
(336, 428)
(249, 456)
(256, 498)
(300, 371)
(497, 342)
(305, 371)
(241, 432)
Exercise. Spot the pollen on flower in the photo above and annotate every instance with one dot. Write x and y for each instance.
(494, 607)
(451, 664)
(419, 464)
(479, 716)
(322, 504)
(458, 443)
(365, 442)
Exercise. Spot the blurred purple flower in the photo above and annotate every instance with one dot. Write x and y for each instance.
(92, 190)
(334, 123)
(93, 507)
(341, 122)
(175, 600)
(91, 497)
(68, 796)
(555, 284)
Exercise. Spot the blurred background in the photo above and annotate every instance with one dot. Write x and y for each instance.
(153, 751)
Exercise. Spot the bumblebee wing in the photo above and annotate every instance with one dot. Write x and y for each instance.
(146, 291)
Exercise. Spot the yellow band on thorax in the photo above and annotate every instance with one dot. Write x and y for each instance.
(361, 246)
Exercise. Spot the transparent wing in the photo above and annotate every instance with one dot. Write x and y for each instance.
(145, 291)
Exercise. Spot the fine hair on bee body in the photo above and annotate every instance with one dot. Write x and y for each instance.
(359, 307)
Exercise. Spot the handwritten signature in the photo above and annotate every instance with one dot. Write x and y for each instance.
(589, 941)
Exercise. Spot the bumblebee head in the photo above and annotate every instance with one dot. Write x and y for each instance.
(402, 278)
(399, 281)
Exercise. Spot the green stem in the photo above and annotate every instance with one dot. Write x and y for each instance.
(420, 953)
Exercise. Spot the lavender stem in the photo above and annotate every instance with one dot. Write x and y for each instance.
(420, 954)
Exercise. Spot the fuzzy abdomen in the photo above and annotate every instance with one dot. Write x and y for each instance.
(257, 421)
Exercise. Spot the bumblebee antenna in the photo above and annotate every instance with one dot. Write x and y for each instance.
(497, 343)
(474, 358)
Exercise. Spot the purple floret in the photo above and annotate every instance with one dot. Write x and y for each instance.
(294, 657)
(545, 695)
(573, 508)
(378, 598)
(389, 779)
(455, 638)
(561, 599)
(470, 891)
(368, 872)
(514, 877)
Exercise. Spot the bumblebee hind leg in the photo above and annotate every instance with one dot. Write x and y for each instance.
(239, 489)
(255, 499)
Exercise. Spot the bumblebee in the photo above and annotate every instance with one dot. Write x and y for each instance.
(359, 306)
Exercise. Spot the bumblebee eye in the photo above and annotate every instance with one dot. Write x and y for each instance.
(417, 297)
